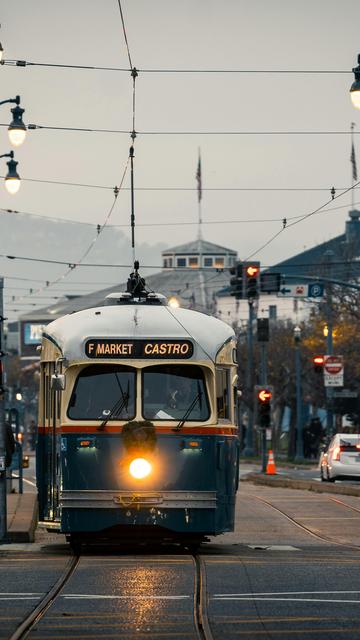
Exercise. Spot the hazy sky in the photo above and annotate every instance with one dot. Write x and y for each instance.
(185, 34)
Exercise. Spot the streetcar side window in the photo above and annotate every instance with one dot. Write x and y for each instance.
(222, 393)
(172, 392)
(104, 392)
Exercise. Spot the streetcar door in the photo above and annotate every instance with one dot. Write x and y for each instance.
(50, 450)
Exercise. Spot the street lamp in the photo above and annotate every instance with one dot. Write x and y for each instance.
(16, 129)
(12, 178)
(299, 453)
(355, 87)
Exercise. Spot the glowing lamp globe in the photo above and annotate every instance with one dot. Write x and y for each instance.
(12, 179)
(17, 129)
(355, 94)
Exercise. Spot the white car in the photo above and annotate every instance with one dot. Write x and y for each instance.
(341, 459)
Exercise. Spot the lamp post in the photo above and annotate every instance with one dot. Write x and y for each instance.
(299, 453)
(12, 178)
(355, 87)
(16, 129)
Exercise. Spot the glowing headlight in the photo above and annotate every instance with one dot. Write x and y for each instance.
(140, 468)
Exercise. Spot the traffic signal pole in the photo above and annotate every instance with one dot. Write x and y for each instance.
(329, 255)
(263, 382)
(3, 522)
(249, 444)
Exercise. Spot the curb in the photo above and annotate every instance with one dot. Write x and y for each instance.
(24, 522)
(304, 485)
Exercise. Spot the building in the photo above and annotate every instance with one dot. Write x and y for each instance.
(192, 275)
(338, 258)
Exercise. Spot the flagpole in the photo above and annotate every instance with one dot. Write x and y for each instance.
(353, 162)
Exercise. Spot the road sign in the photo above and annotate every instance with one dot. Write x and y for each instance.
(333, 371)
(314, 290)
(345, 393)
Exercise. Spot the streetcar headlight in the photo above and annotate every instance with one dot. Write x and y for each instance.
(140, 468)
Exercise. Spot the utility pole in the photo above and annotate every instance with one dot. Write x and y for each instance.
(249, 444)
(263, 338)
(3, 523)
(299, 453)
(329, 256)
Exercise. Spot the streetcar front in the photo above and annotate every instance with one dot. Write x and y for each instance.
(143, 439)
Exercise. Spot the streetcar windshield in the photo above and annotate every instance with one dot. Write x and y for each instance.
(103, 392)
(171, 391)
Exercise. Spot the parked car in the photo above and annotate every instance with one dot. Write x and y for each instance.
(340, 460)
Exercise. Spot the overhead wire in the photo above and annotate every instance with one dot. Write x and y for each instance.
(100, 228)
(34, 127)
(71, 265)
(163, 224)
(109, 187)
(301, 219)
(26, 63)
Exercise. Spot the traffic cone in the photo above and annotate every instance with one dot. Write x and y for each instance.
(271, 467)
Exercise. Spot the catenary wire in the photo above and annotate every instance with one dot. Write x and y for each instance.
(26, 63)
(72, 266)
(33, 127)
(301, 219)
(124, 32)
(108, 187)
(165, 224)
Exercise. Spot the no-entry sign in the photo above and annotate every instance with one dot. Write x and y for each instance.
(333, 371)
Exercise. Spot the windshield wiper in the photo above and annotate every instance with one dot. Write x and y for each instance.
(196, 399)
(116, 409)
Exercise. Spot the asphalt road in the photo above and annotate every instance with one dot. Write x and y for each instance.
(290, 570)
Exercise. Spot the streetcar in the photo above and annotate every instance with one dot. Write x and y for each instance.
(137, 432)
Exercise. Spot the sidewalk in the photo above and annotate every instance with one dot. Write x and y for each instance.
(22, 516)
(289, 478)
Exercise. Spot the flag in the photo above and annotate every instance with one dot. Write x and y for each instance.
(353, 162)
(198, 179)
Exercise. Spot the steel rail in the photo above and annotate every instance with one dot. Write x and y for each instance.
(306, 529)
(200, 600)
(349, 506)
(35, 616)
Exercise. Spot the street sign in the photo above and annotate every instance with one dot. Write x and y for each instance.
(314, 290)
(345, 393)
(333, 371)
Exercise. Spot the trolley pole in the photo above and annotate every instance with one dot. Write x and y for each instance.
(249, 446)
(3, 522)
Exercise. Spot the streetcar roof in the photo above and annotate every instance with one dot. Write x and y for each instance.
(71, 332)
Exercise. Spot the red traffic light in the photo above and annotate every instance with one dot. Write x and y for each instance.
(319, 360)
(264, 395)
(252, 270)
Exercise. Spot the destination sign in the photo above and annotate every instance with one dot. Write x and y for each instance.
(116, 348)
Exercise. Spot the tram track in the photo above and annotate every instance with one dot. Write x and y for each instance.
(200, 600)
(40, 610)
(200, 617)
(318, 536)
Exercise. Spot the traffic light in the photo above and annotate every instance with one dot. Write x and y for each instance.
(264, 395)
(263, 329)
(237, 283)
(251, 272)
(270, 282)
(318, 362)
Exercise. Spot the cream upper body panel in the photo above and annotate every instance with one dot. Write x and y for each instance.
(70, 333)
